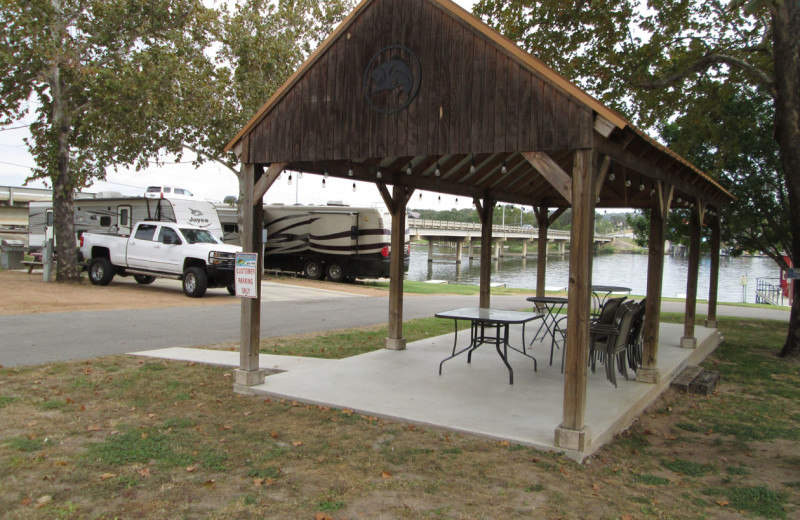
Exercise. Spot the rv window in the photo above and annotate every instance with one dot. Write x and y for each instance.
(123, 216)
(230, 228)
(153, 189)
(49, 218)
(105, 221)
(167, 190)
(145, 232)
(168, 236)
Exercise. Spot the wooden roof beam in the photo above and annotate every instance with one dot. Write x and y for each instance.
(557, 177)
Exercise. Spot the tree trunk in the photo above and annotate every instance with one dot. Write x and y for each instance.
(786, 45)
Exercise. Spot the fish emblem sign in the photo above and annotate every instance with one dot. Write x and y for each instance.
(391, 80)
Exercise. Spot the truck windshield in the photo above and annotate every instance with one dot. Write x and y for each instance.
(198, 236)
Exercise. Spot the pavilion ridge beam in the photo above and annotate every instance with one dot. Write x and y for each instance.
(551, 171)
(573, 433)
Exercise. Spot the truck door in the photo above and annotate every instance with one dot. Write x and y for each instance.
(124, 220)
(167, 253)
(141, 247)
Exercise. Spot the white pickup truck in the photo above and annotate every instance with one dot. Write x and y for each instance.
(162, 250)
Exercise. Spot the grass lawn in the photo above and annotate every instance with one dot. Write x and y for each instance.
(122, 437)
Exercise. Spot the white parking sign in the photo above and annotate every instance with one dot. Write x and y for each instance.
(246, 275)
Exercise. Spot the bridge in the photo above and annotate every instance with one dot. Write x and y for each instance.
(468, 232)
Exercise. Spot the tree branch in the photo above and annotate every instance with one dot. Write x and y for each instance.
(703, 64)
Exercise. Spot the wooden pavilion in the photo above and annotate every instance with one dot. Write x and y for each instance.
(420, 94)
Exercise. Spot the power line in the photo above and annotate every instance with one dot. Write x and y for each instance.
(19, 165)
(14, 127)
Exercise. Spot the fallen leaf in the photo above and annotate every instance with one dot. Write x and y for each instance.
(93, 428)
(69, 401)
(192, 468)
(43, 501)
(596, 487)
(144, 472)
(297, 443)
(26, 501)
(274, 434)
(227, 427)
(386, 474)
(258, 481)
(106, 476)
(626, 517)
(152, 415)
(61, 463)
(723, 503)
(320, 460)
(209, 483)
(564, 470)
(322, 516)
(144, 436)
(504, 444)
(248, 413)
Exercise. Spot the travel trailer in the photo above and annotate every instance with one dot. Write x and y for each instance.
(118, 215)
(339, 242)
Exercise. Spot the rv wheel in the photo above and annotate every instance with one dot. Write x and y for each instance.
(232, 289)
(143, 279)
(336, 272)
(313, 269)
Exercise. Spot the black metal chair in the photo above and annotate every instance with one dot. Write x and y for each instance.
(636, 338)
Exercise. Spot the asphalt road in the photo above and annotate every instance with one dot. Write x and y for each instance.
(44, 338)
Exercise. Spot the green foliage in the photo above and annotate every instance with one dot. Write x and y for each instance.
(136, 446)
(650, 480)
(688, 467)
(6, 400)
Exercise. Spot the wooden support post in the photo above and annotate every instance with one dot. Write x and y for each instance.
(649, 373)
(573, 434)
(397, 204)
(696, 230)
(459, 250)
(485, 213)
(430, 249)
(711, 318)
(541, 246)
(249, 373)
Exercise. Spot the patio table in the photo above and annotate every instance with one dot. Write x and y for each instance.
(601, 293)
(553, 305)
(497, 322)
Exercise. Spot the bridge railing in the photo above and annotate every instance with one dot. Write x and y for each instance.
(420, 223)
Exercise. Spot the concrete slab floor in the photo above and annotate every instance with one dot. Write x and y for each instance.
(471, 398)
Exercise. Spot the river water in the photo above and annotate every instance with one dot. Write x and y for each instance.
(628, 270)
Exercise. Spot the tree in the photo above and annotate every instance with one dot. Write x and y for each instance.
(106, 78)
(655, 63)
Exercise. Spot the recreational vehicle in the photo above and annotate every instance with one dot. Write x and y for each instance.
(118, 215)
(339, 242)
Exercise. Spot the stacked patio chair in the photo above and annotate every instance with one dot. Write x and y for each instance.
(609, 343)
(636, 339)
(606, 317)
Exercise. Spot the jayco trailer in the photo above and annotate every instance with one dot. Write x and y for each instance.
(118, 215)
(339, 242)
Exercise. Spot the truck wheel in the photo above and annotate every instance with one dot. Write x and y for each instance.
(313, 269)
(232, 290)
(143, 279)
(101, 271)
(195, 282)
(336, 272)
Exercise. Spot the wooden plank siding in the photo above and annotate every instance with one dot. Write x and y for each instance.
(473, 98)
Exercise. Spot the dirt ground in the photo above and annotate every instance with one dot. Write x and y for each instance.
(24, 293)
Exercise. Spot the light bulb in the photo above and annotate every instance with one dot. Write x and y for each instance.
(611, 176)
(290, 179)
(354, 186)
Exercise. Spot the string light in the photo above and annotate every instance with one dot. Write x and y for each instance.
(290, 179)
(354, 187)
(438, 172)
(627, 183)
(326, 173)
(408, 169)
(641, 187)
(440, 199)
(472, 165)
(379, 174)
(611, 176)
(299, 175)
(350, 171)
(504, 168)
(420, 196)
(323, 182)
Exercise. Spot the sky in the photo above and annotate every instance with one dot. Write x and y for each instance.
(212, 181)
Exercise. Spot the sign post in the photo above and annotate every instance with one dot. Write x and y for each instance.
(245, 275)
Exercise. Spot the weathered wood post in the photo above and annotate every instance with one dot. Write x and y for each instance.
(249, 373)
(648, 373)
(573, 434)
(396, 203)
(696, 222)
(711, 318)
(485, 213)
